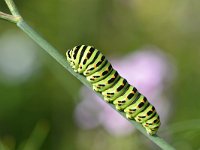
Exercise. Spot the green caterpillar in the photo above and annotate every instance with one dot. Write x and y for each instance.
(115, 89)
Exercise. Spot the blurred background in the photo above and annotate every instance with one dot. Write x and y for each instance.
(154, 44)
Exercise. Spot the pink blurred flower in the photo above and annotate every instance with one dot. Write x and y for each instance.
(149, 71)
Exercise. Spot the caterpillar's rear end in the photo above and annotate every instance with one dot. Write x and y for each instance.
(115, 89)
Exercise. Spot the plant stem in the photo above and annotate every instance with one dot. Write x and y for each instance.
(49, 49)
(13, 9)
(62, 60)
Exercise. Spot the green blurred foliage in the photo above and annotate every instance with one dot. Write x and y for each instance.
(117, 27)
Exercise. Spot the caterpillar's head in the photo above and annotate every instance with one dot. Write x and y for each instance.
(70, 58)
(69, 55)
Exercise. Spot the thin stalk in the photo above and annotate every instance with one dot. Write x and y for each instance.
(62, 60)
(12, 7)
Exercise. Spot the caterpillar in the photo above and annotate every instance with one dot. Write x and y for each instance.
(92, 64)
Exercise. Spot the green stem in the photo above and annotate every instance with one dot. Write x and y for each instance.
(12, 7)
(62, 60)
(52, 51)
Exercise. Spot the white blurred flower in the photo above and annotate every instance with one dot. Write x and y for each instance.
(149, 71)
(18, 58)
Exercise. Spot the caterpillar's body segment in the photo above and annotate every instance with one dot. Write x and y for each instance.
(126, 99)
(138, 106)
(91, 63)
(100, 74)
(107, 82)
(117, 90)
